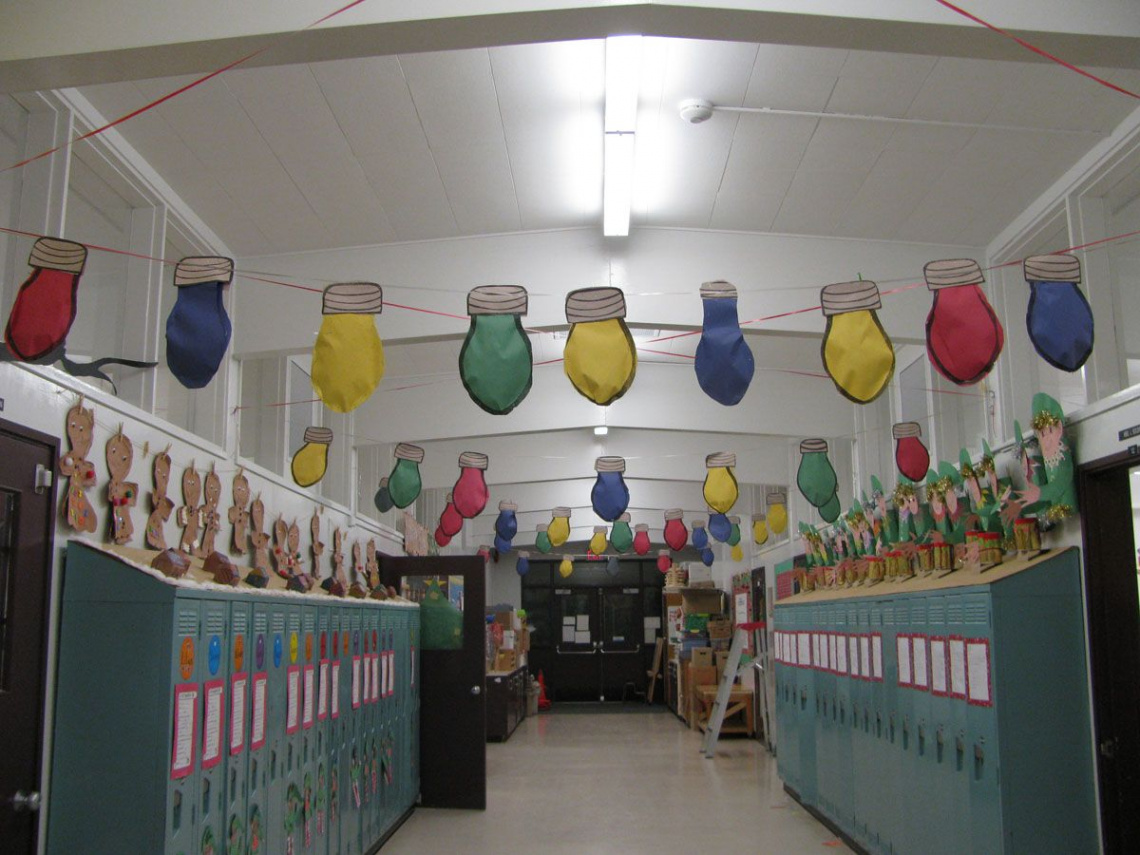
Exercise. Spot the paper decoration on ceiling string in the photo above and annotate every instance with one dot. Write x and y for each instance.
(507, 524)
(1058, 494)
(664, 560)
(641, 539)
(759, 529)
(719, 527)
(830, 511)
(734, 534)
(542, 539)
(565, 567)
(383, 498)
(259, 539)
(559, 529)
(450, 522)
(597, 543)
(198, 329)
(495, 363)
(484, 552)
(404, 482)
(45, 305)
(676, 535)
(75, 466)
(699, 537)
(312, 459)
(211, 521)
(441, 539)
(239, 513)
(911, 455)
(720, 488)
(600, 358)
(1059, 319)
(470, 493)
(621, 538)
(777, 503)
(161, 505)
(610, 496)
(963, 334)
(816, 478)
(522, 566)
(857, 354)
(502, 544)
(348, 356)
(190, 514)
(724, 362)
(737, 553)
(122, 495)
(707, 556)
(613, 567)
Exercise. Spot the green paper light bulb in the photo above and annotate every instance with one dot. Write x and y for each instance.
(734, 536)
(542, 540)
(621, 538)
(404, 483)
(831, 510)
(816, 478)
(495, 362)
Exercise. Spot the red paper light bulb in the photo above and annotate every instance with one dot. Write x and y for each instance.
(911, 455)
(450, 521)
(676, 535)
(641, 539)
(441, 539)
(963, 334)
(664, 561)
(470, 492)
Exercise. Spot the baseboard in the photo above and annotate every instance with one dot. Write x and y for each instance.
(388, 834)
(831, 826)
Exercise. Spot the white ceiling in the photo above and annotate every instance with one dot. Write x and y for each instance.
(431, 145)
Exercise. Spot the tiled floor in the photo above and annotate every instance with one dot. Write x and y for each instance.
(592, 784)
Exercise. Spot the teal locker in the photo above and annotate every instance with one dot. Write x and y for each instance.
(334, 730)
(212, 711)
(237, 730)
(385, 719)
(414, 676)
(307, 772)
(259, 664)
(370, 818)
(320, 731)
(958, 744)
(278, 666)
(983, 757)
(182, 810)
(845, 770)
(923, 772)
(809, 772)
(868, 762)
(825, 743)
(350, 821)
(944, 831)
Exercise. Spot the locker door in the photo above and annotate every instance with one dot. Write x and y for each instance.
(292, 817)
(307, 657)
(404, 698)
(981, 730)
(213, 669)
(920, 831)
(870, 772)
(182, 792)
(957, 745)
(237, 730)
(277, 664)
(351, 843)
(844, 764)
(371, 729)
(809, 723)
(334, 729)
(319, 736)
(259, 663)
(870, 644)
(942, 824)
(385, 799)
(825, 732)
(413, 761)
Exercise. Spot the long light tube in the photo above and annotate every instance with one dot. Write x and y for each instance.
(623, 58)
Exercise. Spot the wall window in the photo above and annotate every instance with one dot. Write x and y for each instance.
(1123, 209)
(13, 249)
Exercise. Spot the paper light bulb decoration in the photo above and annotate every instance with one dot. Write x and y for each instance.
(612, 566)
(641, 539)
(312, 458)
(502, 544)
(45, 305)
(856, 351)
(720, 488)
(759, 529)
(831, 510)
(676, 535)
(737, 552)
(777, 512)
(542, 539)
(484, 552)
(450, 522)
(664, 560)
(911, 455)
(600, 358)
(621, 538)
(598, 541)
(816, 478)
(734, 532)
(707, 556)
(963, 334)
(699, 538)
(1059, 318)
(610, 496)
(522, 566)
(470, 493)
(404, 482)
(724, 362)
(719, 527)
(441, 539)
(507, 524)
(198, 328)
(348, 356)
(566, 567)
(495, 363)
(559, 528)
(383, 498)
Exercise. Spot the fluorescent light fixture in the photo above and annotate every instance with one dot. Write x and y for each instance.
(601, 430)
(617, 185)
(623, 66)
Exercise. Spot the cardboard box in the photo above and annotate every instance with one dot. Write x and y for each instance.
(702, 657)
(720, 628)
(506, 660)
(695, 676)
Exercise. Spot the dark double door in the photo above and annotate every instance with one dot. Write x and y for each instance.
(598, 644)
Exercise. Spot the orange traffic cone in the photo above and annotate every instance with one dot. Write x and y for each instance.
(543, 701)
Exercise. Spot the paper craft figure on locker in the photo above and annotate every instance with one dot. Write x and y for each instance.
(198, 328)
(285, 559)
(238, 513)
(495, 362)
(338, 557)
(161, 504)
(1059, 492)
(211, 521)
(371, 565)
(600, 357)
(122, 495)
(259, 538)
(348, 356)
(318, 547)
(358, 588)
(724, 362)
(1059, 319)
(190, 514)
(299, 580)
(75, 466)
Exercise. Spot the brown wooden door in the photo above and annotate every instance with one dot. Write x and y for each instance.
(453, 736)
(26, 529)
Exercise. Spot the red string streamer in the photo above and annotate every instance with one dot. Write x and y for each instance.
(1039, 51)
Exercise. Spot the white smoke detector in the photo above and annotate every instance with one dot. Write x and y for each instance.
(696, 110)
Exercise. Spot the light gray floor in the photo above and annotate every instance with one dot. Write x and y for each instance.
(592, 784)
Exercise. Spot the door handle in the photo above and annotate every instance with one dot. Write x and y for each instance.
(476, 690)
(1108, 748)
(22, 801)
(558, 649)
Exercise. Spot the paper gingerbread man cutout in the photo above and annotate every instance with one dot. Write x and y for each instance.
(122, 495)
(161, 504)
(338, 556)
(190, 514)
(281, 548)
(318, 547)
(211, 522)
(238, 514)
(371, 564)
(259, 537)
(75, 466)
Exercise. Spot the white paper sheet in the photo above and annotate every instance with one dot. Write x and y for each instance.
(367, 691)
(653, 623)
(841, 654)
(804, 640)
(582, 623)
(582, 637)
(323, 692)
(334, 692)
(978, 671)
(355, 682)
(832, 658)
(185, 707)
(918, 654)
(257, 723)
(310, 702)
(853, 655)
(212, 731)
(876, 657)
(376, 685)
(568, 633)
(568, 620)
(237, 715)
(865, 655)
(938, 676)
(958, 667)
(650, 635)
(902, 645)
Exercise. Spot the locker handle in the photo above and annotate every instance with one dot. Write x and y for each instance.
(940, 737)
(959, 744)
(979, 752)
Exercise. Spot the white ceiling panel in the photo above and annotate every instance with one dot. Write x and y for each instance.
(792, 78)
(409, 187)
(816, 200)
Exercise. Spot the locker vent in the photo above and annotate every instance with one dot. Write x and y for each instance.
(888, 616)
(187, 622)
(937, 614)
(918, 613)
(310, 621)
(851, 618)
(260, 622)
(902, 614)
(977, 613)
(294, 621)
(241, 622)
(278, 622)
(215, 623)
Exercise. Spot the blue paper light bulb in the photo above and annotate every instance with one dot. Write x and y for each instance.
(699, 537)
(612, 567)
(1059, 319)
(507, 524)
(724, 362)
(610, 496)
(707, 556)
(719, 527)
(198, 328)
(502, 544)
(522, 566)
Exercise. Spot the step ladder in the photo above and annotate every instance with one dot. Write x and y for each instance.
(724, 691)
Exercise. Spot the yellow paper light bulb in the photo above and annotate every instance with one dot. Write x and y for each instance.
(856, 351)
(737, 553)
(777, 512)
(559, 529)
(566, 567)
(721, 490)
(348, 356)
(312, 458)
(598, 541)
(600, 358)
(759, 529)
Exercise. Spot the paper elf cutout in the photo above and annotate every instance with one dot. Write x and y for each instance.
(161, 505)
(641, 538)
(45, 305)
(495, 363)
(470, 493)
(980, 499)
(664, 560)
(720, 488)
(522, 566)
(1058, 493)
(348, 356)
(888, 517)
(699, 537)
(610, 495)
(81, 472)
(943, 498)
(284, 561)
(190, 514)
(542, 539)
(312, 459)
(600, 358)
(613, 567)
(566, 567)
(450, 522)
(759, 529)
(383, 498)
(857, 354)
(122, 495)
(816, 478)
(777, 503)
(404, 482)
(911, 455)
(211, 522)
(198, 328)
(238, 514)
(719, 527)
(724, 362)
(259, 539)
(676, 535)
(963, 334)
(621, 538)
(597, 543)
(559, 529)
(1059, 319)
